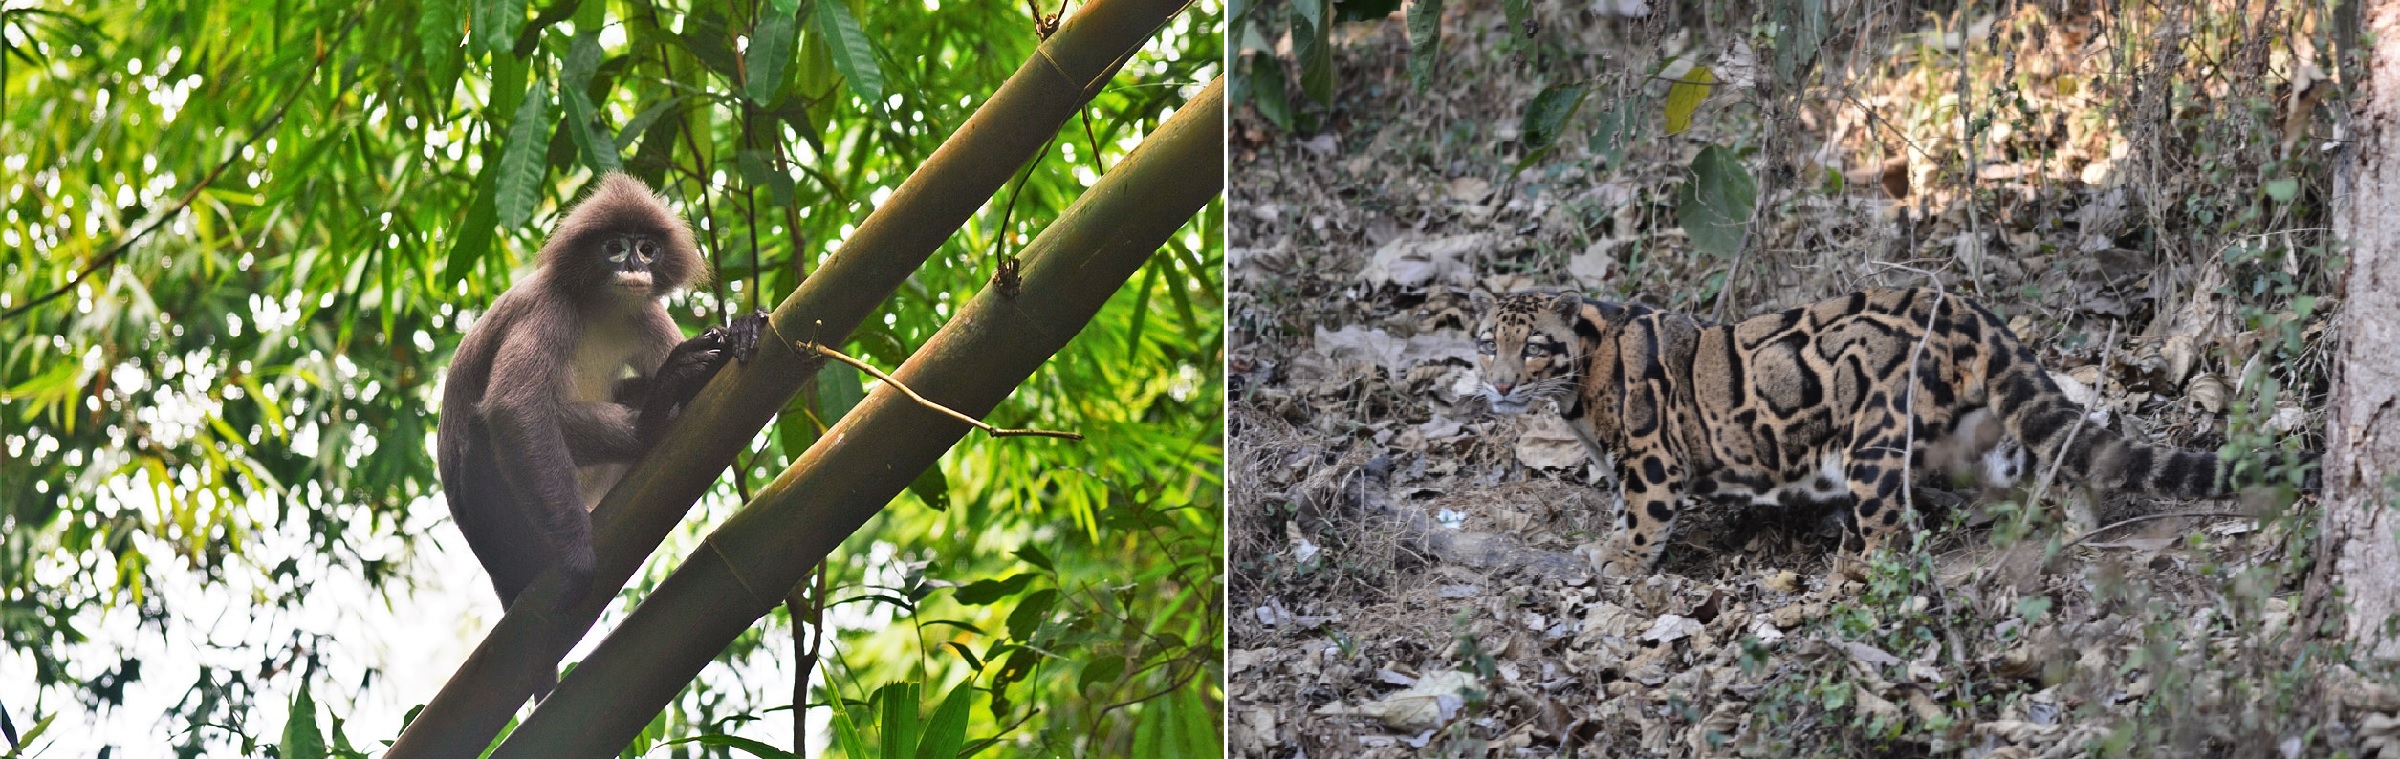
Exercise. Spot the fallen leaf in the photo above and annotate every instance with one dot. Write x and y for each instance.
(1670, 628)
(1435, 699)
(1418, 261)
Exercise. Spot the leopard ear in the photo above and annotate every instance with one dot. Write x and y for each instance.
(1482, 301)
(1567, 304)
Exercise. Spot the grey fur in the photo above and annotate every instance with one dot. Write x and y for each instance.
(539, 417)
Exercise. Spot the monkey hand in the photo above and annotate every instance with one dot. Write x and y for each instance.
(742, 337)
(691, 363)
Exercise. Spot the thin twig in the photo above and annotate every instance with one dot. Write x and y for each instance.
(2107, 350)
(1908, 474)
(929, 403)
(2147, 517)
(1966, 132)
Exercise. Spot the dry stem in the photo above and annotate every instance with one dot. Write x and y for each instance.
(929, 403)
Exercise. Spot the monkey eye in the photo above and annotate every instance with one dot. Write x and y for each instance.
(648, 249)
(616, 249)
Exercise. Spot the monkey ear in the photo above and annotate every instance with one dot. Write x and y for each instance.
(1567, 304)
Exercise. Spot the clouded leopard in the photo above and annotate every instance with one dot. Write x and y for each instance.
(1805, 405)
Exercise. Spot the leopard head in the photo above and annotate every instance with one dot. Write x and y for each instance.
(1526, 349)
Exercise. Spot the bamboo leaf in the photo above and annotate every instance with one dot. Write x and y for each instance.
(898, 722)
(521, 165)
(853, 55)
(770, 53)
(947, 730)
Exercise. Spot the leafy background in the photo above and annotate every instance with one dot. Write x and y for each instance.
(238, 241)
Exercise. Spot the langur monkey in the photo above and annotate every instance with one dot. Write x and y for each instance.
(572, 375)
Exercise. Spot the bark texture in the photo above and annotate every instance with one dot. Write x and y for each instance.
(2362, 438)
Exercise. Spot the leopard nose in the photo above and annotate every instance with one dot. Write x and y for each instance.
(1504, 386)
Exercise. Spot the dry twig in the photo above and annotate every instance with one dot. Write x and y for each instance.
(929, 403)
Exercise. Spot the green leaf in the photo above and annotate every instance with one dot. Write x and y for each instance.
(947, 730)
(2033, 608)
(302, 739)
(1356, 10)
(641, 121)
(1424, 40)
(1102, 670)
(1031, 613)
(933, 488)
(1613, 133)
(755, 747)
(1312, 46)
(599, 150)
(1267, 91)
(982, 592)
(1549, 112)
(899, 718)
(521, 166)
(770, 52)
(472, 239)
(1714, 207)
(439, 34)
(853, 55)
(1032, 554)
(496, 24)
(838, 391)
(1803, 32)
(1016, 667)
(1520, 15)
(1685, 97)
(845, 732)
(2283, 190)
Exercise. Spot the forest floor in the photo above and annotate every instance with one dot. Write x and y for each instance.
(1406, 574)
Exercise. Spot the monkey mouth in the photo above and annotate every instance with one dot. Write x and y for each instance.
(634, 281)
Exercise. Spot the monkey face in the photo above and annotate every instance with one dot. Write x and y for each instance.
(629, 258)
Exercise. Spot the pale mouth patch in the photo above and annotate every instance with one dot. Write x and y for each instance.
(635, 281)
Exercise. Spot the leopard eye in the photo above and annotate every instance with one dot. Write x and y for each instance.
(1486, 346)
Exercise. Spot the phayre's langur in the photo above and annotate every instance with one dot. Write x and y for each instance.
(572, 375)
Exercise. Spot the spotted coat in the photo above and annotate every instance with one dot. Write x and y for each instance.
(1805, 405)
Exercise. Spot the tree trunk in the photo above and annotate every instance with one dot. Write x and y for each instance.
(997, 340)
(2362, 439)
(890, 244)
